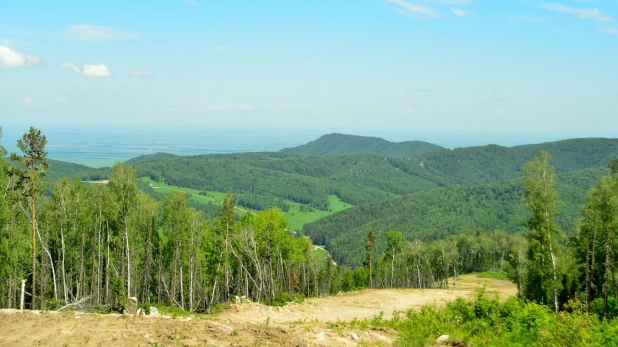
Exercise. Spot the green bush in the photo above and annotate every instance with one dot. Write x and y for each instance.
(487, 321)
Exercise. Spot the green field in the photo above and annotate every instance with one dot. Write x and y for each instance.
(294, 216)
(297, 218)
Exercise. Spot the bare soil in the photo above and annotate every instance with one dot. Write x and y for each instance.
(313, 323)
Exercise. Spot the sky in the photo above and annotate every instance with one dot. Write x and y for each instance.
(501, 66)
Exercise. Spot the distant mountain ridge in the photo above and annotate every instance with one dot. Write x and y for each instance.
(334, 144)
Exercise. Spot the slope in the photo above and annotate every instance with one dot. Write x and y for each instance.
(436, 213)
(332, 144)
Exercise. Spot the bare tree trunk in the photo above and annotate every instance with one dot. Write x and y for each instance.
(23, 293)
(51, 262)
(33, 301)
(126, 234)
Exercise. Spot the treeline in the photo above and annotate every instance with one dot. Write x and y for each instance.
(415, 264)
(99, 244)
(440, 212)
(548, 267)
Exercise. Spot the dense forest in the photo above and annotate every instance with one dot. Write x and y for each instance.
(435, 214)
(94, 246)
(331, 144)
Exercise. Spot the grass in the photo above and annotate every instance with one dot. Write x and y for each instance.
(212, 197)
(295, 217)
(494, 275)
(298, 219)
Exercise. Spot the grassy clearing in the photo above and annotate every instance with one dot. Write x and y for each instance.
(297, 218)
(211, 197)
(294, 216)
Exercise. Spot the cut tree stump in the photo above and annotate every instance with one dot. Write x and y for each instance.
(131, 306)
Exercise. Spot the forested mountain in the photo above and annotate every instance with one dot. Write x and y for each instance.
(262, 178)
(485, 164)
(437, 213)
(331, 144)
(354, 178)
(150, 157)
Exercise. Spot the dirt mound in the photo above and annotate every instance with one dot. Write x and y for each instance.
(313, 323)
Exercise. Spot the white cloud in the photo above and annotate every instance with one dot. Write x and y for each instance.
(583, 13)
(245, 107)
(500, 97)
(90, 70)
(141, 74)
(10, 59)
(191, 2)
(99, 70)
(92, 33)
(414, 10)
(501, 112)
(409, 110)
(459, 13)
(612, 31)
(61, 100)
(228, 106)
(70, 66)
(220, 49)
(7, 43)
(27, 101)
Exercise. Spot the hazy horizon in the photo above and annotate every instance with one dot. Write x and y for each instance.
(101, 146)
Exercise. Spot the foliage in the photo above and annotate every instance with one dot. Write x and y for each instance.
(436, 213)
(332, 144)
(487, 321)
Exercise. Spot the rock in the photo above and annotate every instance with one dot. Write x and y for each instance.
(237, 299)
(442, 339)
(131, 306)
(355, 337)
(154, 312)
(140, 312)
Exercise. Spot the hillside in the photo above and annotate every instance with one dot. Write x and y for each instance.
(436, 213)
(486, 164)
(263, 180)
(332, 144)
(150, 157)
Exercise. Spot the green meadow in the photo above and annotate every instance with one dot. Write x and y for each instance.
(294, 216)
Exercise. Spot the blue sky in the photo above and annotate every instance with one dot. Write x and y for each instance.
(337, 65)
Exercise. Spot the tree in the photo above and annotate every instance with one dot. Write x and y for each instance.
(34, 162)
(597, 239)
(229, 218)
(123, 184)
(541, 199)
(370, 243)
(394, 242)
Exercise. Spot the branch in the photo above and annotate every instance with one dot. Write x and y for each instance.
(168, 294)
(76, 303)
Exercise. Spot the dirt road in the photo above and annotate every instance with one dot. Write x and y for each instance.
(313, 323)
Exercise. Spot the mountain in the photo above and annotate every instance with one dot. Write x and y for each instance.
(437, 213)
(263, 180)
(150, 157)
(491, 163)
(332, 144)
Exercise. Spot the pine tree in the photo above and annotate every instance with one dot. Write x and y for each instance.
(34, 162)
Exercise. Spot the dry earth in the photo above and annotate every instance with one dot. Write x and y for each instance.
(313, 323)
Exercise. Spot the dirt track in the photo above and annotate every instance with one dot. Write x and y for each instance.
(313, 323)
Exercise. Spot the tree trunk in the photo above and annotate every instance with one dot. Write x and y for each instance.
(23, 293)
